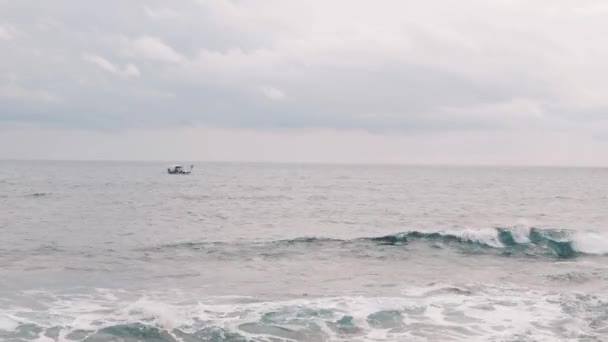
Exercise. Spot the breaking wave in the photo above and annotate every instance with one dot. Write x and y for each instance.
(533, 241)
(527, 242)
(430, 313)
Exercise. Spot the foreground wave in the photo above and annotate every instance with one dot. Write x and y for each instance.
(432, 313)
(528, 242)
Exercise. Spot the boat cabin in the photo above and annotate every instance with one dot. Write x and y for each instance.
(178, 170)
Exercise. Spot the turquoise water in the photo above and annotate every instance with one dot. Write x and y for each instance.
(121, 251)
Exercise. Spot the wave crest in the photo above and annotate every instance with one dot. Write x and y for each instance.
(529, 242)
(532, 241)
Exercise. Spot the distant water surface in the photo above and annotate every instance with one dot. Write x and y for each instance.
(121, 251)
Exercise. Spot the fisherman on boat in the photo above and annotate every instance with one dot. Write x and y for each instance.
(179, 170)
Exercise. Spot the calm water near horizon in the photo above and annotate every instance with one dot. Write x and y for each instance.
(122, 251)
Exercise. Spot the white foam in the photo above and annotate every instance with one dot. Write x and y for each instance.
(8, 323)
(590, 242)
(164, 315)
(489, 313)
(520, 233)
(486, 236)
(582, 241)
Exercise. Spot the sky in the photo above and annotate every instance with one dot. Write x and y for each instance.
(513, 82)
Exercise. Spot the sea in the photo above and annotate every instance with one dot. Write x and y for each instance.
(123, 251)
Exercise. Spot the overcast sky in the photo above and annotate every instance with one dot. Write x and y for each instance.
(464, 82)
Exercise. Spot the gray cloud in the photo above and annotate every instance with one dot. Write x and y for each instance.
(403, 67)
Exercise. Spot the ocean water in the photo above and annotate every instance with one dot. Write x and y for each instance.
(113, 251)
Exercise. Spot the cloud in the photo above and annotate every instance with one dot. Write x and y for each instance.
(14, 91)
(273, 93)
(7, 32)
(154, 48)
(101, 62)
(160, 13)
(406, 68)
(129, 70)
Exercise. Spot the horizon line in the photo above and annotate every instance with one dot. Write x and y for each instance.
(405, 164)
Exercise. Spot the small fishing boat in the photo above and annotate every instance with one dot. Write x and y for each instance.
(179, 170)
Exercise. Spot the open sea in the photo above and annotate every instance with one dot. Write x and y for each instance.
(122, 251)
